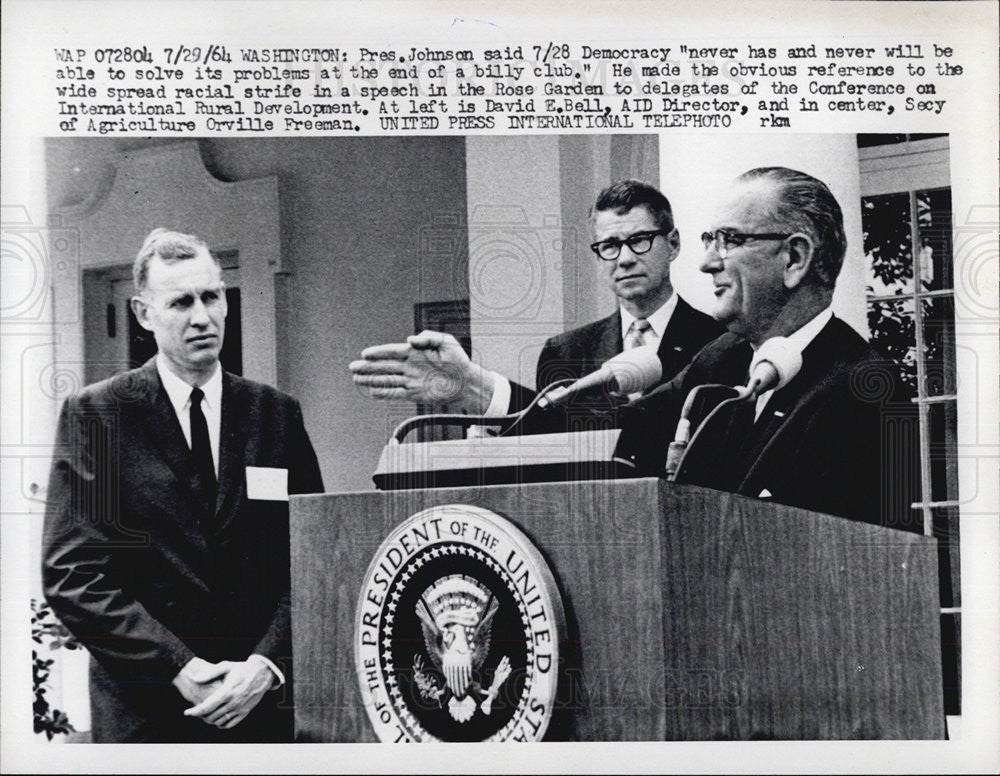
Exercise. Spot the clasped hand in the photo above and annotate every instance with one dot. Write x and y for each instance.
(223, 693)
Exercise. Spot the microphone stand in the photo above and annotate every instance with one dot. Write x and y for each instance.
(776, 364)
(677, 450)
(507, 422)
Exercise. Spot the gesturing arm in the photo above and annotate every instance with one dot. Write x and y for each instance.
(429, 367)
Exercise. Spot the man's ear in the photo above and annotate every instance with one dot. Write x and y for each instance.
(800, 249)
(673, 238)
(140, 308)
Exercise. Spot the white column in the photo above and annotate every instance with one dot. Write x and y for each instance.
(515, 253)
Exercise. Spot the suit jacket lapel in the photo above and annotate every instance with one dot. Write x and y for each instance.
(233, 447)
(609, 343)
(716, 460)
(165, 431)
(817, 360)
(675, 346)
(607, 346)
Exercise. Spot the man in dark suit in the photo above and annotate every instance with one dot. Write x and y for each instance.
(581, 351)
(166, 533)
(636, 241)
(838, 435)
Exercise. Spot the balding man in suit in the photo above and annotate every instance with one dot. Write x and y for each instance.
(166, 533)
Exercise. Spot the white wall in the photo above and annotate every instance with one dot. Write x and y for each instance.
(515, 252)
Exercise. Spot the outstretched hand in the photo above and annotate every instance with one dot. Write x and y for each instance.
(430, 367)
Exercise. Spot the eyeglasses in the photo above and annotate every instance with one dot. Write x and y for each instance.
(639, 243)
(725, 241)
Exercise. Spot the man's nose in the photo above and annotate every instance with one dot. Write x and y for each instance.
(711, 261)
(626, 255)
(199, 314)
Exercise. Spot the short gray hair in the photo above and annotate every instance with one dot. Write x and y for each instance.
(169, 247)
(806, 204)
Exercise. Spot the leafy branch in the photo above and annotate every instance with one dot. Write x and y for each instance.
(47, 631)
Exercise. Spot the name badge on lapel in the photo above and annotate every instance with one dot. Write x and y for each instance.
(265, 483)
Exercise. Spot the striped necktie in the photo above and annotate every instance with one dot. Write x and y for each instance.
(636, 333)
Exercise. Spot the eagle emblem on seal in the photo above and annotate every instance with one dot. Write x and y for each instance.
(456, 615)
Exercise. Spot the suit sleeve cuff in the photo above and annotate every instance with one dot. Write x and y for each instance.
(500, 401)
(499, 405)
(279, 677)
(180, 657)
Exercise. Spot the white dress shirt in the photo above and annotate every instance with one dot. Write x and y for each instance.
(179, 393)
(798, 340)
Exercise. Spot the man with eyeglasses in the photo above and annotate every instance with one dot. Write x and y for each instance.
(635, 240)
(842, 427)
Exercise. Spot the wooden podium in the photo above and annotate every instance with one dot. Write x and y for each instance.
(691, 614)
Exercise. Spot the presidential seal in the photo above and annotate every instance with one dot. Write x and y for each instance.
(457, 631)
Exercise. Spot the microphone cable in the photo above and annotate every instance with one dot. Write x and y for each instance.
(464, 421)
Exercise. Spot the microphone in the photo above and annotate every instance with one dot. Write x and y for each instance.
(773, 366)
(629, 372)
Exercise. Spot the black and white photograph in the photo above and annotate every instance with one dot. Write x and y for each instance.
(546, 402)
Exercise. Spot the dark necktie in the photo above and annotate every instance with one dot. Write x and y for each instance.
(201, 451)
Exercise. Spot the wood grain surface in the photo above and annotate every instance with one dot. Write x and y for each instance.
(691, 614)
